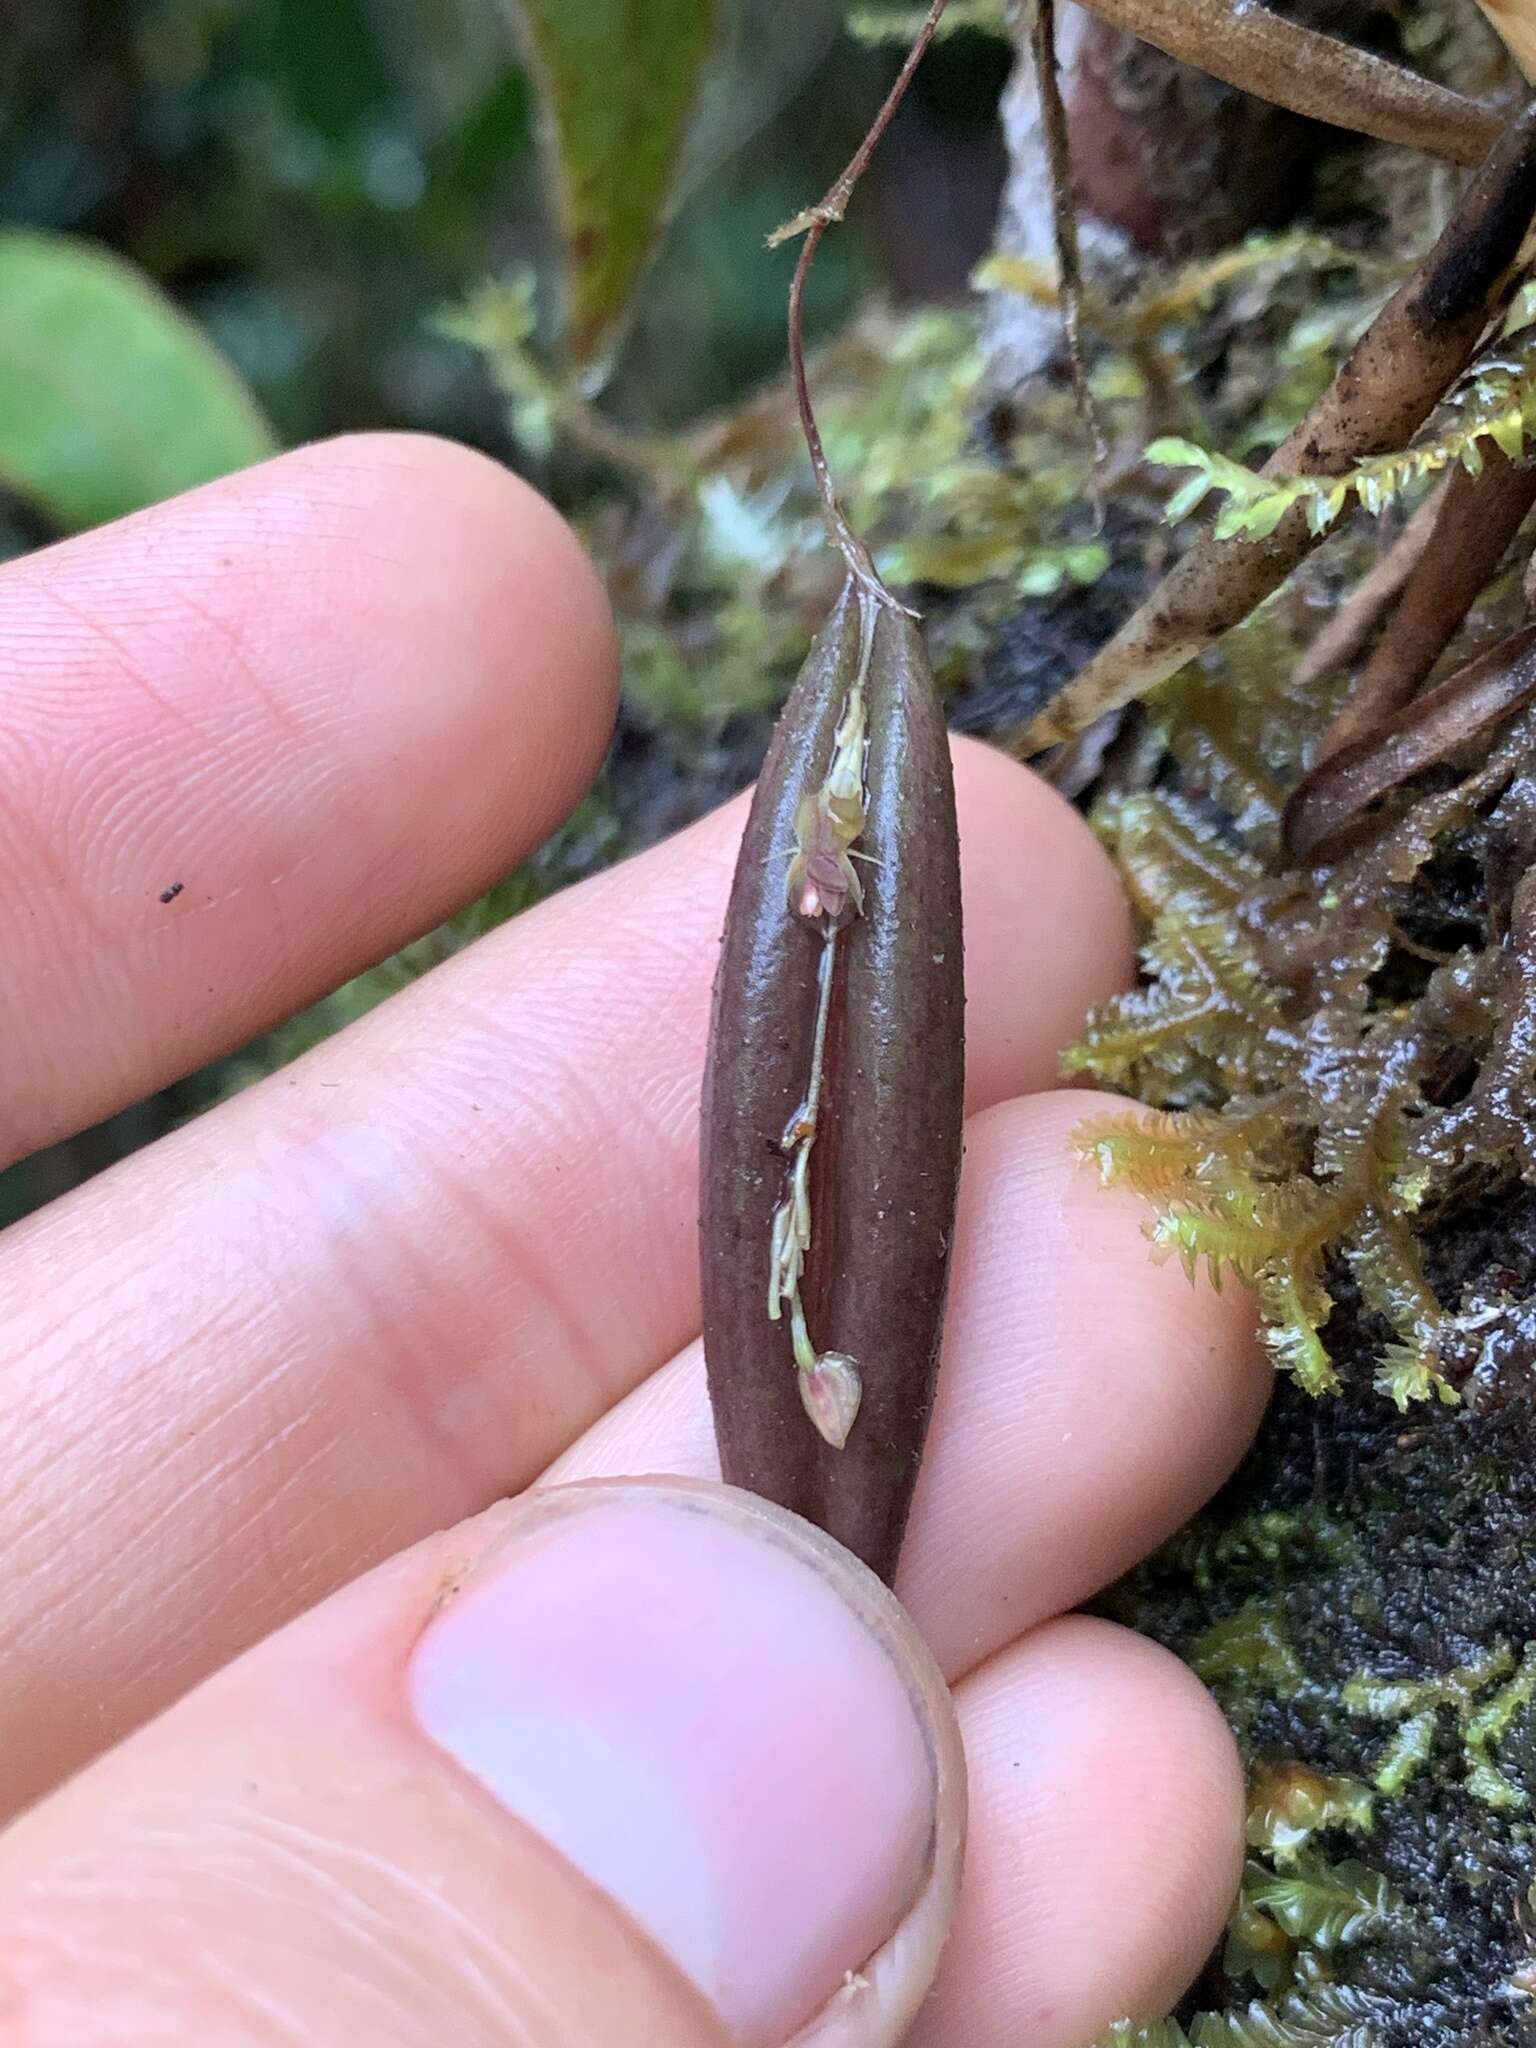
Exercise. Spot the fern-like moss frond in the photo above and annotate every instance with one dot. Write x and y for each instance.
(1485, 1718)
(1324, 1905)
(1144, 2034)
(1177, 863)
(1487, 1727)
(1247, 1226)
(1203, 1005)
(1295, 1305)
(1496, 404)
(1290, 1803)
(1247, 1656)
(1154, 1154)
(1324, 2016)
(1385, 1259)
(1328, 2016)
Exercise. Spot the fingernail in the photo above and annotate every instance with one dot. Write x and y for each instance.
(705, 1711)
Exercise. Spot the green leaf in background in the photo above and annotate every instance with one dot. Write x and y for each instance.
(617, 82)
(110, 398)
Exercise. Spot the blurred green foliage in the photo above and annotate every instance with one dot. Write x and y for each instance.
(618, 84)
(110, 398)
(310, 178)
(303, 177)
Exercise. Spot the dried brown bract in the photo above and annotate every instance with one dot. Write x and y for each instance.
(1262, 52)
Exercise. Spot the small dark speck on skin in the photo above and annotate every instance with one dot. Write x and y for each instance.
(170, 895)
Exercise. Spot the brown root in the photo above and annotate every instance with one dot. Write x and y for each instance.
(1310, 73)
(1478, 517)
(1357, 617)
(1422, 338)
(1331, 803)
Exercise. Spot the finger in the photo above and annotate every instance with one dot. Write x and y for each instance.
(1106, 1842)
(253, 740)
(389, 1286)
(650, 1765)
(1089, 1400)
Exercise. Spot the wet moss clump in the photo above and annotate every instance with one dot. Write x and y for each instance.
(1340, 1063)
(1362, 1602)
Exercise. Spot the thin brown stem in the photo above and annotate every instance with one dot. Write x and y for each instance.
(1478, 518)
(1332, 801)
(813, 224)
(1058, 150)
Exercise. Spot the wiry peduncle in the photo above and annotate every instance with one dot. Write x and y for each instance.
(824, 891)
(813, 223)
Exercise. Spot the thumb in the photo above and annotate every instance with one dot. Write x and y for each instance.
(640, 1762)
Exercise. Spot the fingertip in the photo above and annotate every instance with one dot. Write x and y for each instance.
(1106, 1844)
(394, 587)
(1048, 931)
(653, 1762)
(1090, 1399)
(259, 736)
(731, 1728)
(504, 575)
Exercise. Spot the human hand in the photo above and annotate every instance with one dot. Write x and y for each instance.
(323, 1752)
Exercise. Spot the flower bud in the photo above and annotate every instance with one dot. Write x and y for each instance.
(830, 1393)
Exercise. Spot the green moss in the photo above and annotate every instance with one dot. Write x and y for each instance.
(1301, 1022)
(1326, 2016)
(1247, 1659)
(1404, 1754)
(1496, 406)
(1321, 1905)
(1333, 1065)
(1288, 1804)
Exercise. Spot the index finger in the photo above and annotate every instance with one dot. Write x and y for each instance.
(253, 740)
